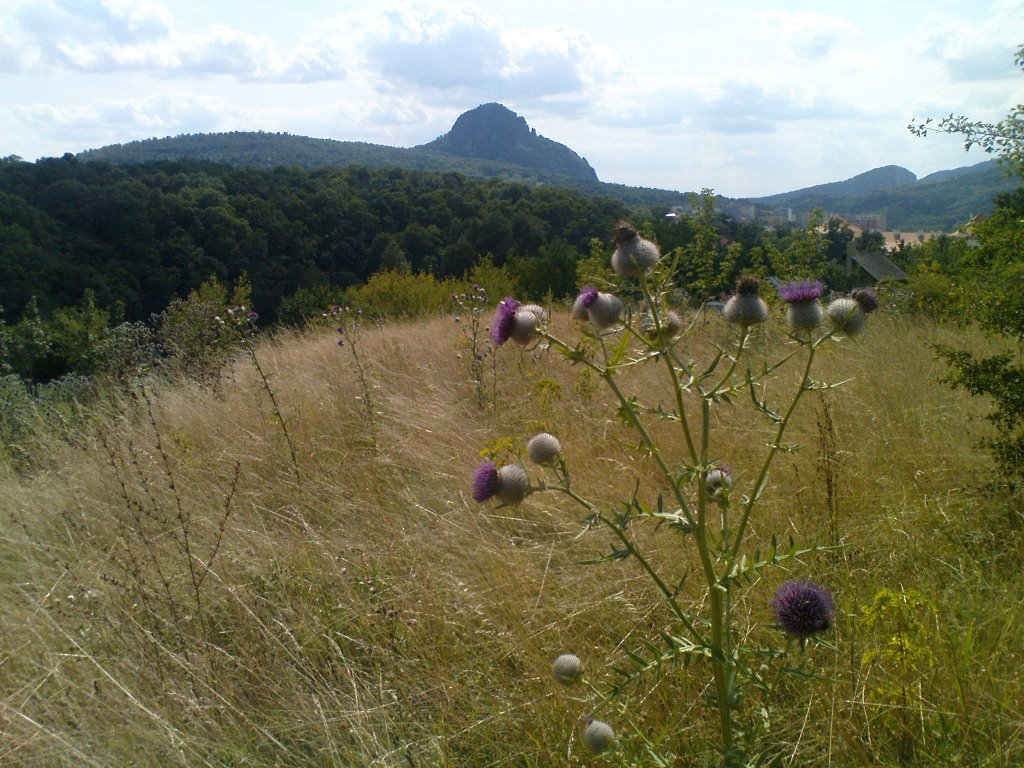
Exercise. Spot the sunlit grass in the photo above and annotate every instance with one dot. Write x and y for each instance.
(366, 611)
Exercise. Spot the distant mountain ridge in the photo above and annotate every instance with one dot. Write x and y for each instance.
(492, 141)
(885, 177)
(940, 201)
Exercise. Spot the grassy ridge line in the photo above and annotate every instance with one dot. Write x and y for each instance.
(372, 614)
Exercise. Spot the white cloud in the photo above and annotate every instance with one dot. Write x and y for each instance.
(110, 121)
(468, 54)
(808, 35)
(977, 52)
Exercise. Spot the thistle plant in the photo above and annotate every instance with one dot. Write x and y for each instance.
(708, 505)
(469, 311)
(349, 329)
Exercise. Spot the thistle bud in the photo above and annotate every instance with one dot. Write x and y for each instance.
(543, 448)
(803, 608)
(511, 484)
(524, 326)
(846, 316)
(866, 298)
(598, 736)
(633, 254)
(718, 480)
(804, 311)
(746, 307)
(587, 296)
(567, 668)
(604, 312)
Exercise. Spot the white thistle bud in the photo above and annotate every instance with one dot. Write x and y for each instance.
(605, 310)
(543, 448)
(846, 316)
(524, 326)
(598, 736)
(567, 668)
(511, 484)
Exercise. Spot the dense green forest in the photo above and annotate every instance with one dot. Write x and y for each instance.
(90, 248)
(260, 149)
(141, 235)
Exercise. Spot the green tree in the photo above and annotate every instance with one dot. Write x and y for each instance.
(989, 283)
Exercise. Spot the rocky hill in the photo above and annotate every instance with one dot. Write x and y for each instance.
(495, 132)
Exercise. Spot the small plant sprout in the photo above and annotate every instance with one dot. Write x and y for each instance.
(712, 509)
(543, 448)
(598, 736)
(804, 313)
(567, 668)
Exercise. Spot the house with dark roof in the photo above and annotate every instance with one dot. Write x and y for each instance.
(869, 267)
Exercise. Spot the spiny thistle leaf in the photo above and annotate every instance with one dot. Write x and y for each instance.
(759, 404)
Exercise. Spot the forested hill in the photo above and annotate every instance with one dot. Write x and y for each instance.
(941, 201)
(489, 141)
(142, 234)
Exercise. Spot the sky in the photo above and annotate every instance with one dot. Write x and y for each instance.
(744, 97)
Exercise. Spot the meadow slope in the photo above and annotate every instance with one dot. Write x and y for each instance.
(177, 591)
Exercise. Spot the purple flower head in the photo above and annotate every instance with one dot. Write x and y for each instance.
(253, 317)
(803, 608)
(587, 296)
(485, 481)
(504, 320)
(801, 290)
(866, 298)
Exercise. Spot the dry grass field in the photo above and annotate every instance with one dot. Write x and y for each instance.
(176, 591)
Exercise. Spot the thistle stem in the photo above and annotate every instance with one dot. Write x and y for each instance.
(769, 457)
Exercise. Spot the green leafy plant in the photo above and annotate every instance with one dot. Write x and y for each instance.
(707, 505)
(987, 288)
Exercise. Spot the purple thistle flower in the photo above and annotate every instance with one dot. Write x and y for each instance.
(584, 300)
(866, 298)
(803, 608)
(801, 290)
(253, 317)
(587, 296)
(485, 481)
(504, 320)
